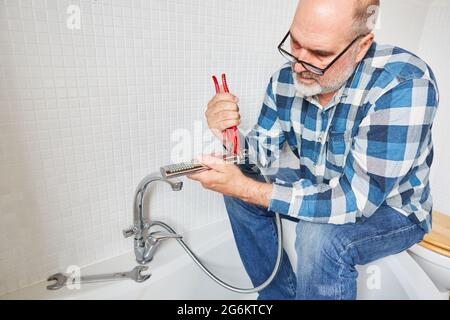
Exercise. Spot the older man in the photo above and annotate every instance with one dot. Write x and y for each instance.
(358, 117)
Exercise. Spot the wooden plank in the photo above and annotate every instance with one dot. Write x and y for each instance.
(439, 238)
(438, 250)
(440, 235)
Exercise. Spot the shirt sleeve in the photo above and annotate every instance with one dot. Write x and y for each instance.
(394, 137)
(266, 139)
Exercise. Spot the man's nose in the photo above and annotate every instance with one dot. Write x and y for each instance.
(298, 68)
(300, 55)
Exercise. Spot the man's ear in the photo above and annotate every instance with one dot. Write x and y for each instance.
(364, 46)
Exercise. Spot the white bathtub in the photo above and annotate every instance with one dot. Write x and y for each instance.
(175, 276)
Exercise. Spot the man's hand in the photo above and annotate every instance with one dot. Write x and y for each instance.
(227, 179)
(222, 113)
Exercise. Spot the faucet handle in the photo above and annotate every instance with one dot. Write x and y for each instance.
(160, 235)
(127, 233)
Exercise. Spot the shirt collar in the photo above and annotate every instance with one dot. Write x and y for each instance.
(342, 93)
(337, 98)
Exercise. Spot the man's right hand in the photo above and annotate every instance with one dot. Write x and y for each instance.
(222, 113)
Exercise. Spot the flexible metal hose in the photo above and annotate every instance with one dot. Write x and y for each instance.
(223, 283)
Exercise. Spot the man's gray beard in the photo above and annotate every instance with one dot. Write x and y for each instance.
(317, 88)
(305, 90)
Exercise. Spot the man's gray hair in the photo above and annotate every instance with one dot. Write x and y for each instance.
(365, 16)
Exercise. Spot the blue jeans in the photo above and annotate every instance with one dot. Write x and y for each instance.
(326, 254)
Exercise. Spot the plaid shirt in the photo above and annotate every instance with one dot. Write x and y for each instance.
(370, 146)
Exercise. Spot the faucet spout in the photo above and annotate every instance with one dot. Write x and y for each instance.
(141, 191)
(143, 248)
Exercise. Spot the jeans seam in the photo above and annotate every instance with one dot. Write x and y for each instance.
(354, 243)
(394, 232)
(291, 288)
(341, 284)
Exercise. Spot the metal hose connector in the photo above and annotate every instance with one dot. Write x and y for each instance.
(218, 280)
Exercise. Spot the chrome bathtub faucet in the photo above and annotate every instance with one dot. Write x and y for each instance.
(146, 242)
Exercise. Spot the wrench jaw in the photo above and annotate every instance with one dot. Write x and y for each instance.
(138, 276)
(60, 281)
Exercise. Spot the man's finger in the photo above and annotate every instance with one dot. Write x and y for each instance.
(221, 106)
(214, 162)
(201, 176)
(206, 178)
(224, 97)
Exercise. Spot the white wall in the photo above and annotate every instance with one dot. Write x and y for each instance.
(85, 114)
(401, 23)
(435, 49)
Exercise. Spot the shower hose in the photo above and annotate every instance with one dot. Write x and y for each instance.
(223, 283)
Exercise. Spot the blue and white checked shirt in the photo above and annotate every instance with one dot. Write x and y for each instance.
(370, 146)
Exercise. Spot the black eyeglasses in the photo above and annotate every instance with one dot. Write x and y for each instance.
(308, 66)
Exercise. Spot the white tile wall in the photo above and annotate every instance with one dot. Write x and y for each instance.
(85, 114)
(402, 22)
